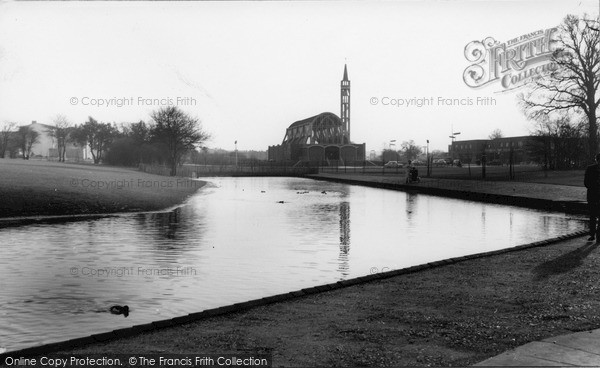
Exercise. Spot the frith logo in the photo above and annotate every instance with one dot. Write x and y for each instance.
(511, 63)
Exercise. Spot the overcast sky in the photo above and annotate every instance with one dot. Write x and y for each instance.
(247, 70)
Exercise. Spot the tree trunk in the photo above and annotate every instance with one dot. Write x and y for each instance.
(593, 138)
(61, 152)
(94, 157)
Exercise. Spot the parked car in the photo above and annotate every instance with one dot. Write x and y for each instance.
(393, 164)
(440, 162)
(457, 163)
(417, 163)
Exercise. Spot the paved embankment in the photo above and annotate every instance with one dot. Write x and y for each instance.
(581, 349)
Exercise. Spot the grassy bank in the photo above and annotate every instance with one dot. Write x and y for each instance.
(522, 173)
(31, 188)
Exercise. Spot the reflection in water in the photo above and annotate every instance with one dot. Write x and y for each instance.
(483, 222)
(411, 206)
(232, 242)
(172, 234)
(344, 238)
(167, 224)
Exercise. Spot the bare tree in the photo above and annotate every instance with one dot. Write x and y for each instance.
(556, 143)
(27, 137)
(573, 85)
(594, 25)
(61, 132)
(5, 135)
(497, 133)
(410, 149)
(98, 136)
(178, 132)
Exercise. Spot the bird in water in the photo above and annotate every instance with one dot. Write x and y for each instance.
(117, 309)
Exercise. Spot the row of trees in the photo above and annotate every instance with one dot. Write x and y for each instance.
(166, 140)
(169, 136)
(559, 144)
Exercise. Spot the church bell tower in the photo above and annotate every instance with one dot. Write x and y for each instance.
(345, 106)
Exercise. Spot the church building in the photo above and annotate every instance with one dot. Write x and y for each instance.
(321, 138)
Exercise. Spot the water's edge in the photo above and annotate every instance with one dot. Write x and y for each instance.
(570, 207)
(244, 306)
(36, 219)
(52, 219)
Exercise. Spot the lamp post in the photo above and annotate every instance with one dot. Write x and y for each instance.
(453, 136)
(236, 156)
(393, 143)
(427, 155)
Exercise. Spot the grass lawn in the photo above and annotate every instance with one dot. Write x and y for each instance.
(523, 173)
(31, 188)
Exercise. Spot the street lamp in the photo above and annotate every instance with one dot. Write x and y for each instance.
(236, 156)
(453, 136)
(393, 143)
(427, 155)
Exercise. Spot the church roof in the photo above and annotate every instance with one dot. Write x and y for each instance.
(311, 119)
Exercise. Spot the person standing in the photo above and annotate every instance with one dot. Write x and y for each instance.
(592, 183)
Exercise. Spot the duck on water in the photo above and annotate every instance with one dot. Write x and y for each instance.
(117, 309)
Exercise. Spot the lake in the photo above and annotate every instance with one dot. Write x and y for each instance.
(237, 239)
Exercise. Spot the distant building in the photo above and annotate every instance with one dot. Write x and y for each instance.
(497, 150)
(47, 147)
(324, 137)
(44, 142)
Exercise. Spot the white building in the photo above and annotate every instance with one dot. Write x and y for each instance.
(47, 147)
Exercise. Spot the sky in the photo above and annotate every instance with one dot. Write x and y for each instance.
(247, 70)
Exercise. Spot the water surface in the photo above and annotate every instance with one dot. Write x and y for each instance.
(232, 242)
